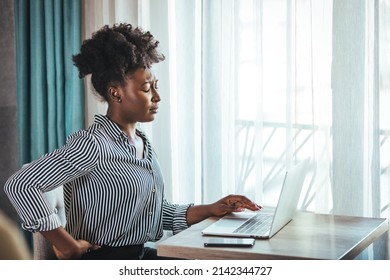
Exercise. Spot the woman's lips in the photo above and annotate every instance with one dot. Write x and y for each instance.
(154, 109)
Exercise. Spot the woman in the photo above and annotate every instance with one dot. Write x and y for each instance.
(113, 187)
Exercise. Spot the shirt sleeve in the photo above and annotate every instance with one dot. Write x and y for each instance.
(175, 216)
(26, 187)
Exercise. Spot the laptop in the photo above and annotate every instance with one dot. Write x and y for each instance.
(265, 224)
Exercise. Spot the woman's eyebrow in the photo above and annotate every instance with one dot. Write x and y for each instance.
(150, 80)
(147, 83)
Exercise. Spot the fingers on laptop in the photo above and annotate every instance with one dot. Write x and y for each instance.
(240, 203)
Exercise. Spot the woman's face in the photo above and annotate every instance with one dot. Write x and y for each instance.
(139, 97)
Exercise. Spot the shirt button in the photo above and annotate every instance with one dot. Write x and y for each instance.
(150, 213)
(153, 190)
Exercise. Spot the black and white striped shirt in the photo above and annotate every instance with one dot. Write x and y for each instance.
(111, 197)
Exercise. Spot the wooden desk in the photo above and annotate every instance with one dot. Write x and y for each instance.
(307, 236)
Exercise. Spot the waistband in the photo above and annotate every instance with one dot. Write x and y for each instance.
(128, 252)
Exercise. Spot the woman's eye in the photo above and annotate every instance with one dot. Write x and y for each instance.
(148, 86)
(146, 89)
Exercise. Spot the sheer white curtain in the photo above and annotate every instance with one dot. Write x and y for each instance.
(384, 104)
(251, 87)
(266, 97)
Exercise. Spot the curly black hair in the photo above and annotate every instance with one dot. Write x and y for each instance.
(114, 53)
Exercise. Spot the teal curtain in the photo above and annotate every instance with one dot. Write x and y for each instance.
(50, 94)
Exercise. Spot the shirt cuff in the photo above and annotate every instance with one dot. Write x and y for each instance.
(45, 224)
(180, 218)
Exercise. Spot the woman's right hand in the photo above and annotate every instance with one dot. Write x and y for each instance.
(65, 247)
(76, 252)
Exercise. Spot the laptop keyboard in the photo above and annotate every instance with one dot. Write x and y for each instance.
(256, 224)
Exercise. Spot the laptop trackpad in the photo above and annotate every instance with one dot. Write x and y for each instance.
(240, 215)
(230, 222)
(233, 220)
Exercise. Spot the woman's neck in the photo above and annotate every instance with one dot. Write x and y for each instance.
(129, 128)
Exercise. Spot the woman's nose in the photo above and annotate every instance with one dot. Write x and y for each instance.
(156, 97)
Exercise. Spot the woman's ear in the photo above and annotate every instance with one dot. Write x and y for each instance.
(114, 94)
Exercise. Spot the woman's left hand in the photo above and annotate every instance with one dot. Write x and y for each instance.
(232, 203)
(226, 205)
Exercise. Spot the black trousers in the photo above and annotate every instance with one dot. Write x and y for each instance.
(131, 252)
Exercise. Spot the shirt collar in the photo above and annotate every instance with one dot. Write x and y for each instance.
(113, 129)
(117, 134)
(110, 127)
